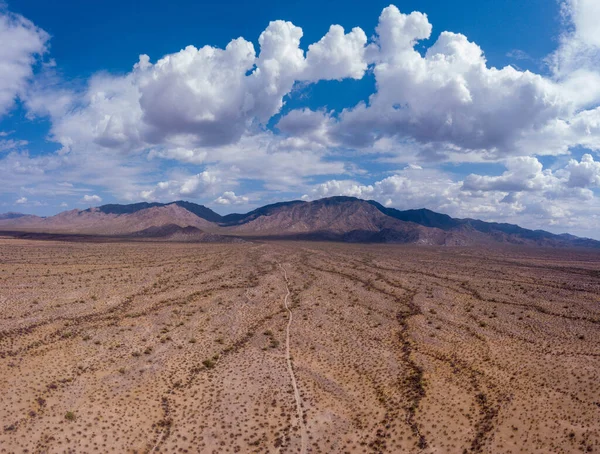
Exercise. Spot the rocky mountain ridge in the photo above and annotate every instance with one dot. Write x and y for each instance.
(341, 218)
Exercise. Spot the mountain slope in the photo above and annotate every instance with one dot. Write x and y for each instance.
(199, 210)
(337, 218)
(423, 217)
(494, 231)
(267, 210)
(94, 221)
(118, 209)
(19, 221)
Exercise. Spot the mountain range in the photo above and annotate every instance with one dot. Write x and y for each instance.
(346, 219)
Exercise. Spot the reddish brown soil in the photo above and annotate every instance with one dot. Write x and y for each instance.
(167, 347)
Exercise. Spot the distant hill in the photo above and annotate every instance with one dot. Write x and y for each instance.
(502, 232)
(345, 219)
(174, 232)
(111, 220)
(199, 210)
(11, 215)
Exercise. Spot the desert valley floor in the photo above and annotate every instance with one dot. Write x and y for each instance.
(165, 347)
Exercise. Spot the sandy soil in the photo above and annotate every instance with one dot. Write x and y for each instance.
(150, 347)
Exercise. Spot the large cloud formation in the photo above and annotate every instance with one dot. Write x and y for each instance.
(202, 98)
(449, 96)
(206, 97)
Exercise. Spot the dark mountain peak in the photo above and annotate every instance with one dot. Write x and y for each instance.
(199, 210)
(12, 215)
(511, 230)
(421, 216)
(118, 209)
(335, 200)
(267, 210)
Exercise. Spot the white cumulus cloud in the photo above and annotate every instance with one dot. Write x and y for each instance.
(584, 174)
(337, 55)
(205, 96)
(91, 199)
(22, 45)
(449, 95)
(523, 174)
(230, 198)
(198, 185)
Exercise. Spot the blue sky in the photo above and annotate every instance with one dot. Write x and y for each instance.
(475, 109)
(91, 36)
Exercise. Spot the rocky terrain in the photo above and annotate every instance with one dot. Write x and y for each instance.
(297, 347)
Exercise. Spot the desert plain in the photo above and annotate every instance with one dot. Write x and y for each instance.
(297, 347)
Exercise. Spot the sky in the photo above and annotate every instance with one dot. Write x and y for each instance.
(489, 110)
